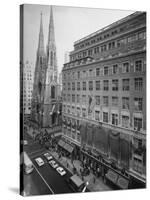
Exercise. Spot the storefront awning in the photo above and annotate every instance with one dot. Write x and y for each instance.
(122, 182)
(112, 176)
(68, 147)
(61, 143)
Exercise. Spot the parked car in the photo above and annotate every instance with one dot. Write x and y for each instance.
(53, 164)
(39, 161)
(48, 156)
(61, 171)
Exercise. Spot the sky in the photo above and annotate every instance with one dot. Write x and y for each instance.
(70, 24)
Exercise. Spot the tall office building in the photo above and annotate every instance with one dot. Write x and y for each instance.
(28, 76)
(104, 99)
(46, 102)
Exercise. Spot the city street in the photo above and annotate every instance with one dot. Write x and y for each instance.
(44, 179)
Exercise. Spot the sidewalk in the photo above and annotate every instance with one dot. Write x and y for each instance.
(94, 185)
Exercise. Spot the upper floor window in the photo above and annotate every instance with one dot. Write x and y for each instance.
(142, 35)
(138, 102)
(90, 72)
(84, 99)
(105, 117)
(125, 103)
(126, 84)
(115, 85)
(73, 98)
(78, 85)
(115, 69)
(138, 123)
(138, 83)
(106, 70)
(97, 98)
(78, 98)
(105, 85)
(97, 115)
(125, 121)
(90, 85)
(97, 85)
(114, 101)
(84, 85)
(97, 71)
(73, 86)
(125, 67)
(115, 119)
(69, 86)
(138, 66)
(105, 100)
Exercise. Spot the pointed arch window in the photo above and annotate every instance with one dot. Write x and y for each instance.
(51, 58)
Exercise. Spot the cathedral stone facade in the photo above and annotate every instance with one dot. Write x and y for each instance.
(46, 103)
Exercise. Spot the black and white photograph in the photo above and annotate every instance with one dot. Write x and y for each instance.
(82, 100)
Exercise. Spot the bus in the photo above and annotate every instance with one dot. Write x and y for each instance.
(28, 165)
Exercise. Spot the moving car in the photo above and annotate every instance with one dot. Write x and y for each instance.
(53, 164)
(48, 156)
(76, 184)
(61, 171)
(39, 161)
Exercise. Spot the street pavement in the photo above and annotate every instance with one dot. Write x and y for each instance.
(44, 179)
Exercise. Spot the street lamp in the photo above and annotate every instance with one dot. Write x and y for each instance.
(86, 184)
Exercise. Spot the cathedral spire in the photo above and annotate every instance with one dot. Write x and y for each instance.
(51, 34)
(41, 39)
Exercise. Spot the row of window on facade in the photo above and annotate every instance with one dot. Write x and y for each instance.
(110, 45)
(125, 120)
(105, 101)
(106, 70)
(105, 85)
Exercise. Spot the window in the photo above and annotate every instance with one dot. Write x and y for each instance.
(84, 74)
(97, 71)
(64, 86)
(73, 98)
(137, 123)
(126, 84)
(114, 101)
(138, 104)
(142, 35)
(73, 86)
(115, 119)
(68, 97)
(125, 68)
(97, 98)
(97, 85)
(97, 115)
(105, 70)
(115, 69)
(138, 164)
(115, 85)
(90, 85)
(69, 86)
(90, 72)
(106, 85)
(125, 121)
(105, 100)
(83, 112)
(84, 85)
(138, 66)
(78, 85)
(78, 98)
(68, 109)
(138, 83)
(84, 99)
(105, 117)
(125, 103)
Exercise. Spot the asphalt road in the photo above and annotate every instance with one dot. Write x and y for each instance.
(44, 179)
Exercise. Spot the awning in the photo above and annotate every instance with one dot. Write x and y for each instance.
(122, 182)
(76, 180)
(112, 176)
(61, 143)
(68, 147)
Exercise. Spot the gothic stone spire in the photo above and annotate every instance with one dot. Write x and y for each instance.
(40, 50)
